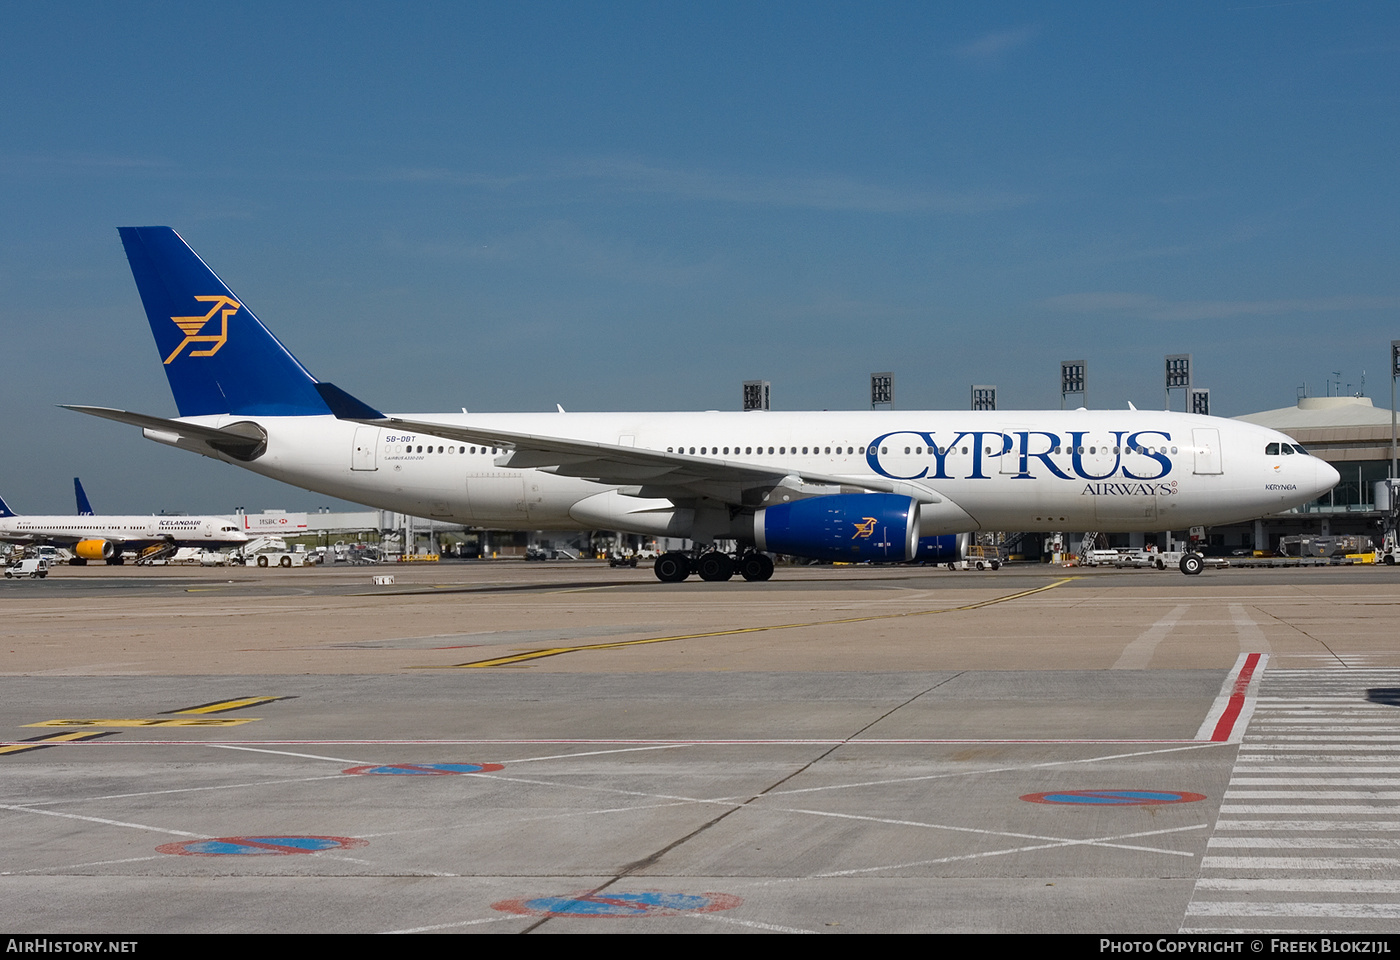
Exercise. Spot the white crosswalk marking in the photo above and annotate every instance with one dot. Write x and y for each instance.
(1306, 837)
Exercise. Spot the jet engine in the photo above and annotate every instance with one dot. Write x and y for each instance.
(94, 549)
(943, 548)
(852, 527)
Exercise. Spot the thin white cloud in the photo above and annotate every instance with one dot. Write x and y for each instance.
(627, 176)
(563, 247)
(1150, 307)
(994, 45)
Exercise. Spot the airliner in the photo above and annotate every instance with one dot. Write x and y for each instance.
(890, 486)
(93, 537)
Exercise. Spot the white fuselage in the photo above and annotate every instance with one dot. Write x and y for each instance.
(185, 531)
(1001, 470)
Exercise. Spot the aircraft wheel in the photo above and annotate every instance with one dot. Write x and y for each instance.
(262, 561)
(285, 562)
(715, 567)
(756, 566)
(672, 567)
(1191, 564)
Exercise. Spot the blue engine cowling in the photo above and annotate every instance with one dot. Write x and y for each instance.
(849, 527)
(941, 549)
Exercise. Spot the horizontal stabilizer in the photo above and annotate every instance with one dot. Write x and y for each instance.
(242, 441)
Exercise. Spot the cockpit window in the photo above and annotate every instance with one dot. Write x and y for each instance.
(1271, 450)
(1300, 449)
(1287, 449)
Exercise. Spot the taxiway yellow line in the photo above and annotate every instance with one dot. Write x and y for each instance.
(38, 743)
(618, 644)
(219, 706)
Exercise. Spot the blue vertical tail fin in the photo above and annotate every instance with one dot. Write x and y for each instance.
(218, 356)
(84, 508)
(5, 510)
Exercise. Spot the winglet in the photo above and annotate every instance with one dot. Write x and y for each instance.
(84, 508)
(346, 407)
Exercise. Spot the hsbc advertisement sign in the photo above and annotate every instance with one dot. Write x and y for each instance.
(274, 523)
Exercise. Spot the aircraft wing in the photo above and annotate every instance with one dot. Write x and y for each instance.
(659, 474)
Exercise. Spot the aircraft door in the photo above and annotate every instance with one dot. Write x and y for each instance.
(1207, 443)
(363, 455)
(1010, 453)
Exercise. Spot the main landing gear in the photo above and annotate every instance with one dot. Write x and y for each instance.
(713, 566)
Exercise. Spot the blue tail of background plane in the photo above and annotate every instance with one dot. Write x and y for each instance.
(5, 511)
(218, 356)
(84, 508)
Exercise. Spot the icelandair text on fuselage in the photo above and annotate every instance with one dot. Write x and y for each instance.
(1273, 945)
(45, 945)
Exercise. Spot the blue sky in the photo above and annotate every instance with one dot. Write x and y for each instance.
(640, 205)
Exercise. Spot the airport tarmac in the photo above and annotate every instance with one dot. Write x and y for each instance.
(511, 747)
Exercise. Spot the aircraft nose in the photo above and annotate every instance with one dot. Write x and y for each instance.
(1327, 477)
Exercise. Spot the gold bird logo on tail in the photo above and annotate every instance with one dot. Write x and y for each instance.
(190, 327)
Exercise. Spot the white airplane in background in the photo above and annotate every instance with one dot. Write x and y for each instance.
(858, 486)
(92, 537)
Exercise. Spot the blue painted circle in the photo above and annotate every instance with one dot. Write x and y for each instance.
(1113, 798)
(618, 904)
(249, 846)
(423, 769)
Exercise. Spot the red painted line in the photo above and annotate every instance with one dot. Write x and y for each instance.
(818, 742)
(1226, 725)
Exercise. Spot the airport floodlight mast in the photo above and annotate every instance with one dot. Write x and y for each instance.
(1179, 376)
(758, 395)
(984, 396)
(882, 390)
(1074, 378)
(1200, 401)
(1394, 372)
